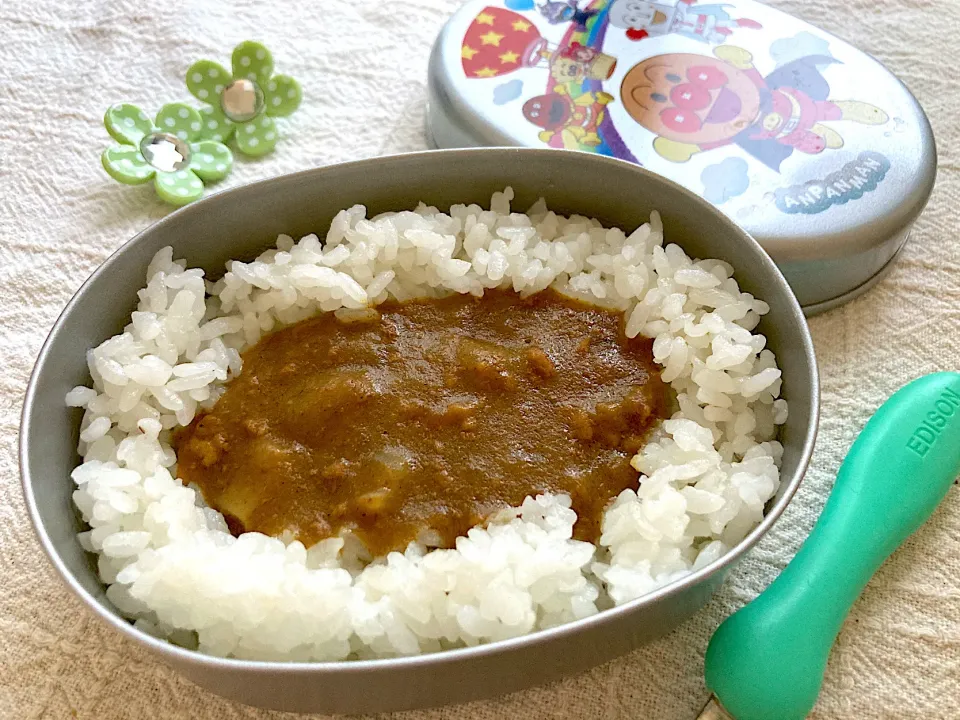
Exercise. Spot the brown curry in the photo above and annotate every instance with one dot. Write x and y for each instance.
(426, 415)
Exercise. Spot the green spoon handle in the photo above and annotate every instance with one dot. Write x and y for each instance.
(766, 662)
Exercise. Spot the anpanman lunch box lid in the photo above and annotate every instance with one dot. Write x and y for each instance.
(812, 146)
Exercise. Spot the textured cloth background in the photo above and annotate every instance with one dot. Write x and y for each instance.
(363, 66)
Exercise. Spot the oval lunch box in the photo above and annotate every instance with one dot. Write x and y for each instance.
(812, 146)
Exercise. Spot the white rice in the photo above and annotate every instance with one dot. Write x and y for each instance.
(171, 565)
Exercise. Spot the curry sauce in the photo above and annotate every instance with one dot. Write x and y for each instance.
(426, 416)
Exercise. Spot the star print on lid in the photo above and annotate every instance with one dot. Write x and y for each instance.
(500, 41)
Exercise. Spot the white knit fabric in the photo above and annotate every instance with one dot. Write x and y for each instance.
(363, 67)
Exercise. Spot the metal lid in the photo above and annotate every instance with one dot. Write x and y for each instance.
(811, 145)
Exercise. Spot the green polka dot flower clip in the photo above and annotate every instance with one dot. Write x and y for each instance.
(244, 103)
(169, 151)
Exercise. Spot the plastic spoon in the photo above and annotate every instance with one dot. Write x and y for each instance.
(766, 661)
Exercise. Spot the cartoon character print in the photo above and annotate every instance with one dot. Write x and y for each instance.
(706, 23)
(500, 41)
(695, 103)
(576, 63)
(558, 12)
(568, 121)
